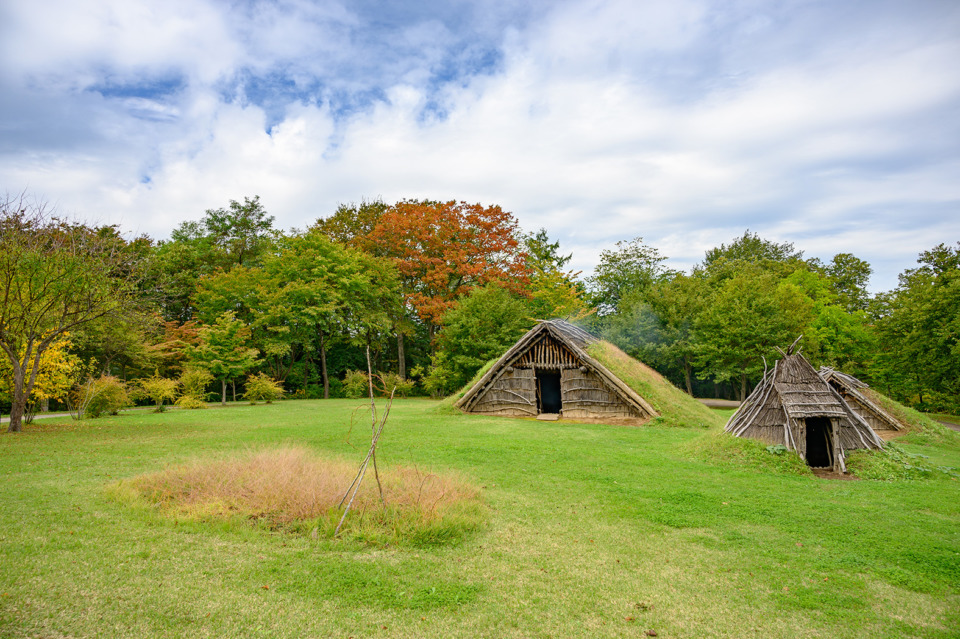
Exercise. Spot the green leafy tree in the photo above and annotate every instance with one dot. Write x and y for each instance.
(242, 231)
(849, 276)
(239, 291)
(319, 292)
(836, 337)
(56, 277)
(238, 235)
(633, 267)
(919, 331)
(485, 323)
(553, 292)
(749, 312)
(223, 350)
(656, 326)
(352, 224)
(752, 249)
(542, 254)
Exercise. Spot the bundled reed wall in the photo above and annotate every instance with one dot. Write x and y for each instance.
(514, 393)
(585, 395)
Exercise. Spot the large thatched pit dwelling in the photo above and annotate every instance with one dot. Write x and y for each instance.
(794, 406)
(549, 372)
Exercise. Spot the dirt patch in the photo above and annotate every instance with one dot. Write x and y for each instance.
(719, 403)
(950, 425)
(887, 435)
(824, 473)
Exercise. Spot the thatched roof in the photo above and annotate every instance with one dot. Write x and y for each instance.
(855, 393)
(576, 341)
(789, 393)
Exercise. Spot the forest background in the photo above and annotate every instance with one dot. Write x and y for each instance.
(94, 321)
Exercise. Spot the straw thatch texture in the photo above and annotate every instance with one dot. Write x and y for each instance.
(852, 390)
(587, 388)
(792, 398)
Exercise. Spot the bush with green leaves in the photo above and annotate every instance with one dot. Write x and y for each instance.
(262, 387)
(393, 383)
(355, 384)
(190, 402)
(194, 382)
(107, 396)
(158, 390)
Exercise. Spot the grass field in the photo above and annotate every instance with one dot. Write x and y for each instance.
(593, 531)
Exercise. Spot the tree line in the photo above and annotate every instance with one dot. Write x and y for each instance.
(432, 290)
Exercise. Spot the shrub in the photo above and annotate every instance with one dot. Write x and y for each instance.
(158, 390)
(392, 382)
(194, 382)
(107, 395)
(355, 384)
(190, 402)
(438, 380)
(262, 387)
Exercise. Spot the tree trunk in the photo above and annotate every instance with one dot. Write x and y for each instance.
(223, 392)
(17, 409)
(233, 385)
(401, 357)
(21, 392)
(307, 363)
(688, 374)
(323, 371)
(743, 386)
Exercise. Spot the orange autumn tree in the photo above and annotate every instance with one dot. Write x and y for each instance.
(443, 249)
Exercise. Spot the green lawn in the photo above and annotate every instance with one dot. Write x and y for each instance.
(594, 530)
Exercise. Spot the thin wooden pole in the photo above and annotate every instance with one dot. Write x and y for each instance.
(373, 424)
(355, 486)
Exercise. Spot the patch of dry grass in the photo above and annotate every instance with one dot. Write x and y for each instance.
(293, 489)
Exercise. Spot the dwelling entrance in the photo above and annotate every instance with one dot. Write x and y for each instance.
(548, 392)
(819, 442)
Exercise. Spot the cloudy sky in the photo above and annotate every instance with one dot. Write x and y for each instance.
(833, 124)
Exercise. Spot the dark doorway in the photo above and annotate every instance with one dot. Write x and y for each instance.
(548, 391)
(819, 442)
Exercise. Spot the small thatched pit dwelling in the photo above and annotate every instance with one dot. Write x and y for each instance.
(549, 373)
(795, 407)
(856, 394)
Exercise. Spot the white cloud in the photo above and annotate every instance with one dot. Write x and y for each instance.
(600, 122)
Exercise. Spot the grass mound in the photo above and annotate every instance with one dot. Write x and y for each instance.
(676, 408)
(920, 428)
(293, 490)
(720, 447)
(894, 463)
